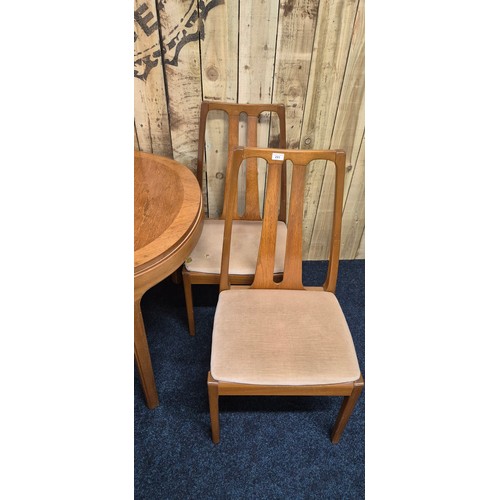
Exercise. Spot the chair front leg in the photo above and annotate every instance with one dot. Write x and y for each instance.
(213, 401)
(346, 409)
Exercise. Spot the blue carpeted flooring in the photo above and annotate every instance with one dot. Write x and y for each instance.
(271, 447)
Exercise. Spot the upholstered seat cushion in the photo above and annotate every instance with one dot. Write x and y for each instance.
(281, 337)
(245, 240)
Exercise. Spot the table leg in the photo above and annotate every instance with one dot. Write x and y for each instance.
(143, 359)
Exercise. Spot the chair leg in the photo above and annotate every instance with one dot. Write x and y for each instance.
(186, 280)
(176, 276)
(346, 409)
(213, 402)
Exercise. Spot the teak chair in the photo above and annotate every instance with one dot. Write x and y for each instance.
(203, 264)
(279, 338)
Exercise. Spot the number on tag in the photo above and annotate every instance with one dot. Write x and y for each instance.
(278, 156)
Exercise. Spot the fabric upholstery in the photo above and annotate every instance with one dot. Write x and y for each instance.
(245, 239)
(281, 337)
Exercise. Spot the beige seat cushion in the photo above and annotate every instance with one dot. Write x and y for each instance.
(282, 337)
(245, 239)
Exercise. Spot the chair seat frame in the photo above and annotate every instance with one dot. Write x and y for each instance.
(350, 390)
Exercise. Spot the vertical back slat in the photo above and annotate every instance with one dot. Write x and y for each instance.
(282, 145)
(267, 249)
(252, 209)
(292, 276)
(230, 205)
(232, 140)
(201, 142)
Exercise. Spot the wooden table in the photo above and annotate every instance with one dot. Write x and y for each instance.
(168, 218)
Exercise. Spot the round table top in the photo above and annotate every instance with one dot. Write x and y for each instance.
(167, 207)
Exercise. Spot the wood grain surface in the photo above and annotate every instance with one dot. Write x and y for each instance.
(307, 54)
(167, 203)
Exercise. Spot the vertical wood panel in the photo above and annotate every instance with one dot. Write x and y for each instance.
(360, 254)
(219, 53)
(353, 217)
(219, 65)
(293, 58)
(136, 141)
(354, 127)
(181, 52)
(329, 58)
(258, 26)
(347, 134)
(150, 106)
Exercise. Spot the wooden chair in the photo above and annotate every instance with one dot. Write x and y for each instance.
(279, 338)
(203, 264)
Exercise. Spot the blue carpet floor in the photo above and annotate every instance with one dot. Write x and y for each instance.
(271, 447)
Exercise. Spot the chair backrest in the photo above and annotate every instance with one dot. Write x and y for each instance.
(276, 158)
(253, 112)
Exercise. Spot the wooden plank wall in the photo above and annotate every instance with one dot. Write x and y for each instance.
(307, 54)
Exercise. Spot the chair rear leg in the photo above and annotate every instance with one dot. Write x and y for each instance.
(346, 409)
(176, 276)
(213, 402)
(186, 281)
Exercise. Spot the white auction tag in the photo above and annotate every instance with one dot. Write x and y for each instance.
(278, 156)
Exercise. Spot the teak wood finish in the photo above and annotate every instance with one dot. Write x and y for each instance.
(292, 276)
(168, 217)
(251, 195)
